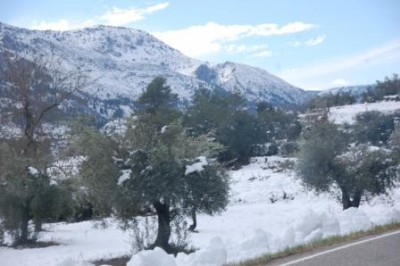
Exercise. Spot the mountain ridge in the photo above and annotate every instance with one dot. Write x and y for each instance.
(122, 61)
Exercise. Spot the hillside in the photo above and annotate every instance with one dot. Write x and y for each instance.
(348, 113)
(356, 91)
(122, 61)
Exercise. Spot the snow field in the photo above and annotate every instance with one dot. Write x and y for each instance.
(347, 113)
(269, 210)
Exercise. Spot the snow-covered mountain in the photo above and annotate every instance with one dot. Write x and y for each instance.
(353, 90)
(257, 84)
(122, 61)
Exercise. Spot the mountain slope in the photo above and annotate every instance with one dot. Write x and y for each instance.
(257, 84)
(122, 61)
(353, 90)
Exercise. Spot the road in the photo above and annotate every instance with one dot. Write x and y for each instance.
(383, 250)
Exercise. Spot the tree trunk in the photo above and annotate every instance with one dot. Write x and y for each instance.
(193, 226)
(356, 199)
(29, 130)
(23, 239)
(38, 226)
(347, 202)
(164, 227)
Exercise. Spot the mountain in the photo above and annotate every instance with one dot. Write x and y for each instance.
(120, 62)
(353, 90)
(255, 83)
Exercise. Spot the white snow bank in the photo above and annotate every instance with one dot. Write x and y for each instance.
(352, 220)
(213, 255)
(156, 257)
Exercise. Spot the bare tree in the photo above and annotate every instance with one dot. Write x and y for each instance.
(32, 92)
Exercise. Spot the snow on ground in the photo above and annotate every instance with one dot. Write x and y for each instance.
(79, 243)
(269, 211)
(347, 113)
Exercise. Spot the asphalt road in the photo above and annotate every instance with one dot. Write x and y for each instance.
(383, 250)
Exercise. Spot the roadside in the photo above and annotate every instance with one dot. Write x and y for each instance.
(380, 250)
(297, 252)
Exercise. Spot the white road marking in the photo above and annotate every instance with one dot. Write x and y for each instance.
(339, 248)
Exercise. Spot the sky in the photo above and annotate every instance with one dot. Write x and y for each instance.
(311, 44)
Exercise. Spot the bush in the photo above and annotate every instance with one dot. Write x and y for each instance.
(288, 148)
(373, 127)
(325, 158)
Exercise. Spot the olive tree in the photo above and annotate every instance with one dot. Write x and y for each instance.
(161, 169)
(327, 159)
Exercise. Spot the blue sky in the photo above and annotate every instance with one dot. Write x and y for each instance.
(312, 44)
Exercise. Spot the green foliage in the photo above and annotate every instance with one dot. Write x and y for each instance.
(367, 169)
(325, 158)
(240, 136)
(369, 96)
(144, 172)
(388, 87)
(394, 141)
(157, 96)
(207, 191)
(25, 193)
(157, 170)
(212, 110)
(319, 146)
(98, 173)
(225, 115)
(28, 193)
(330, 99)
(282, 129)
(373, 127)
(157, 104)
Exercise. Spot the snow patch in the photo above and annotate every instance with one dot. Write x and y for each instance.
(154, 257)
(126, 174)
(198, 166)
(33, 171)
(348, 113)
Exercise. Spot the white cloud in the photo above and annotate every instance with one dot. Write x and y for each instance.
(265, 53)
(384, 53)
(311, 42)
(340, 82)
(118, 16)
(255, 50)
(321, 74)
(114, 17)
(316, 41)
(210, 38)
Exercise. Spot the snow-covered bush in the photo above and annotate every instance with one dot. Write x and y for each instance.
(326, 158)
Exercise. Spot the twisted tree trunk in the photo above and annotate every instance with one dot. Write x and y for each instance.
(164, 226)
(193, 226)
